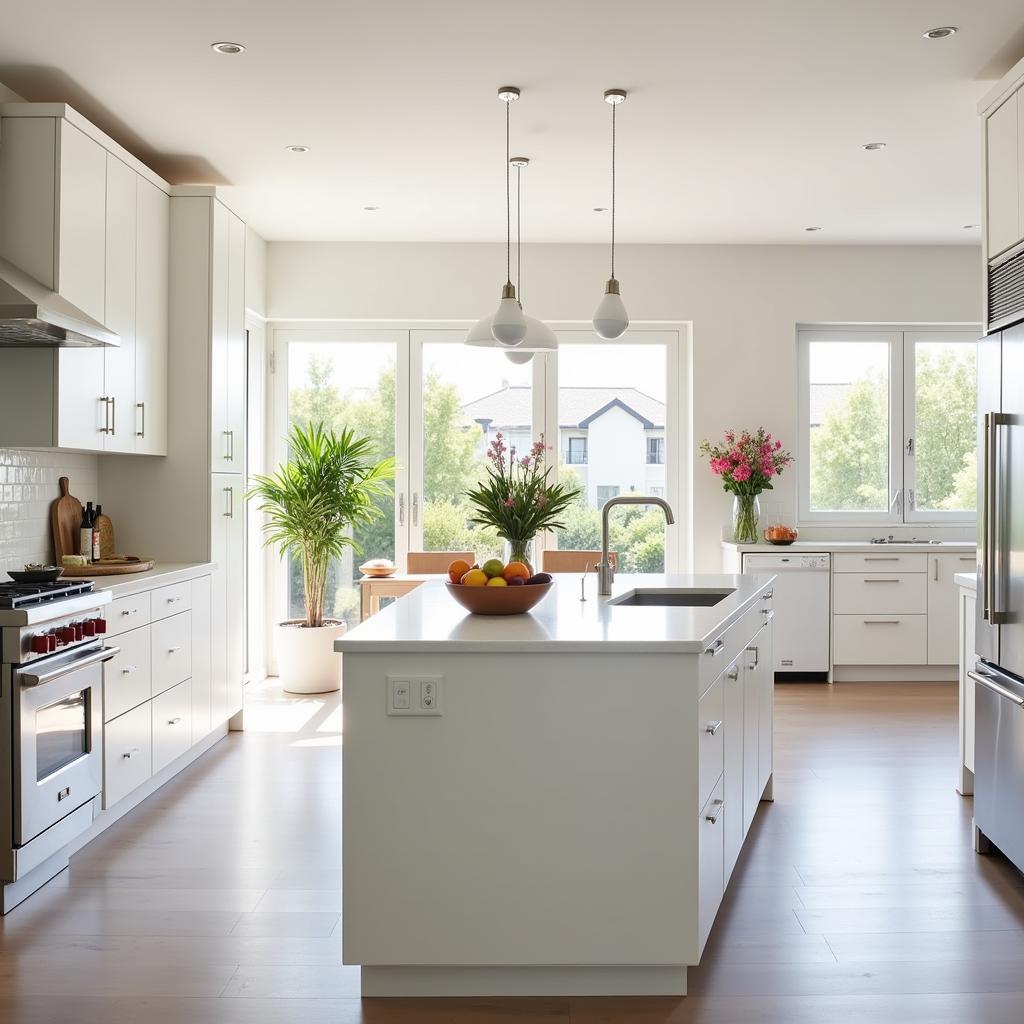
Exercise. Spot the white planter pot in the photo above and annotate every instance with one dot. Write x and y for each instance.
(306, 659)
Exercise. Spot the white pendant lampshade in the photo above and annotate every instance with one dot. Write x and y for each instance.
(539, 337)
(508, 324)
(611, 318)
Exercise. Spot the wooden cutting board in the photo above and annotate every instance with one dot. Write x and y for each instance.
(66, 520)
(114, 567)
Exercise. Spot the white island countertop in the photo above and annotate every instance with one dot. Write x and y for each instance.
(429, 619)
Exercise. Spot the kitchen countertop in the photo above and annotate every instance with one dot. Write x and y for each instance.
(852, 545)
(966, 579)
(161, 575)
(429, 619)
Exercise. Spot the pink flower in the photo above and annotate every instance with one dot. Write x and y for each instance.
(767, 468)
(741, 473)
(525, 462)
(729, 437)
(508, 503)
(778, 445)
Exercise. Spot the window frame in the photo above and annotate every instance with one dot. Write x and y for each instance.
(901, 342)
(569, 461)
(659, 450)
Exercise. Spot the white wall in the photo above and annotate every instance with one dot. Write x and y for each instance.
(743, 301)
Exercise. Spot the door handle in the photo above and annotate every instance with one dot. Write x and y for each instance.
(990, 684)
(733, 673)
(757, 656)
(715, 649)
(998, 615)
(712, 727)
(141, 406)
(105, 429)
(712, 816)
(174, 721)
(986, 520)
(401, 509)
(415, 508)
(229, 512)
(113, 415)
(129, 754)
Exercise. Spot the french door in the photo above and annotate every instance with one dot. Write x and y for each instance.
(609, 412)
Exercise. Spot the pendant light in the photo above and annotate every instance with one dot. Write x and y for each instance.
(610, 317)
(508, 325)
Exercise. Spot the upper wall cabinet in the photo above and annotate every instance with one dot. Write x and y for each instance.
(1004, 175)
(78, 217)
(227, 349)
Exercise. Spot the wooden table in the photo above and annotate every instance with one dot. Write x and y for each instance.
(373, 588)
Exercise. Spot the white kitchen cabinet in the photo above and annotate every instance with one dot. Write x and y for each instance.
(127, 753)
(733, 772)
(943, 648)
(202, 692)
(880, 639)
(755, 671)
(710, 738)
(1003, 211)
(172, 724)
(126, 677)
(764, 684)
(151, 319)
(227, 351)
(711, 856)
(228, 634)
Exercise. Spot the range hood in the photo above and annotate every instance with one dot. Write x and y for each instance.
(34, 316)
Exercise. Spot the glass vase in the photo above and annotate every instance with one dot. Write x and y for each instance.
(519, 549)
(746, 510)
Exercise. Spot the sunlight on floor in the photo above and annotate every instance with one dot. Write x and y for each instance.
(315, 717)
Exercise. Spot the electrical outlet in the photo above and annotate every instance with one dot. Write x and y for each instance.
(414, 695)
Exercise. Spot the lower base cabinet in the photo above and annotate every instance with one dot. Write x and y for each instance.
(172, 724)
(711, 852)
(127, 753)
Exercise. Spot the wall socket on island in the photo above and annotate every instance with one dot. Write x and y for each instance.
(414, 695)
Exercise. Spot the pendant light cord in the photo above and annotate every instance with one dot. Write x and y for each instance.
(519, 234)
(508, 197)
(614, 105)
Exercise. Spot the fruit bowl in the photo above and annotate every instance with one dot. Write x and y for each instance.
(499, 600)
(781, 536)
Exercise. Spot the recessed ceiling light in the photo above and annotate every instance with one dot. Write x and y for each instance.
(812, 229)
(872, 146)
(230, 49)
(297, 149)
(942, 32)
(371, 209)
(600, 209)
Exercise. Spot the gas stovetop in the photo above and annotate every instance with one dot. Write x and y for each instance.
(27, 595)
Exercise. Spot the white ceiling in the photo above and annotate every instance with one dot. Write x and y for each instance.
(743, 124)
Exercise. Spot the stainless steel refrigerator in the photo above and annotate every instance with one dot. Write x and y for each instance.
(999, 640)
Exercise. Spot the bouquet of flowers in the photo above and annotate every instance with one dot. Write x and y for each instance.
(516, 498)
(747, 464)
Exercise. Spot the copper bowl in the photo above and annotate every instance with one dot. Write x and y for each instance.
(499, 600)
(782, 542)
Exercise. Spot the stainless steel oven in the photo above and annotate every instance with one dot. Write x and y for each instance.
(58, 735)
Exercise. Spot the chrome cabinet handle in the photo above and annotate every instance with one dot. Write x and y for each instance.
(882, 622)
(712, 727)
(881, 558)
(229, 512)
(768, 595)
(888, 579)
(174, 721)
(130, 611)
(105, 429)
(173, 600)
(141, 406)
(113, 415)
(715, 649)
(129, 669)
(757, 655)
(768, 615)
(173, 650)
(229, 445)
(129, 754)
(733, 673)
(989, 683)
(712, 816)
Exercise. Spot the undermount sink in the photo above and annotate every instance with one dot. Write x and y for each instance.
(667, 598)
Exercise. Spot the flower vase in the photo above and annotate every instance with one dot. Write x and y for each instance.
(746, 510)
(519, 550)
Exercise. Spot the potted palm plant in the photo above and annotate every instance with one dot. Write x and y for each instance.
(311, 504)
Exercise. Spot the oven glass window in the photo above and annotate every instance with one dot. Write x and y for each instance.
(61, 733)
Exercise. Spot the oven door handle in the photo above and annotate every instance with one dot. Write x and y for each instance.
(91, 657)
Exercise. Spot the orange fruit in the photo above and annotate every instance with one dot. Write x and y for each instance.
(458, 569)
(516, 570)
(474, 578)
(497, 581)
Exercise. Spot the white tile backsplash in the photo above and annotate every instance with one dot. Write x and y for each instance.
(28, 487)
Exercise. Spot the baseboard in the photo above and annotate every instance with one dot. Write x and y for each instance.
(524, 981)
(894, 673)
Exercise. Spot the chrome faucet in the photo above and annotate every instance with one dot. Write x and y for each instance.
(605, 571)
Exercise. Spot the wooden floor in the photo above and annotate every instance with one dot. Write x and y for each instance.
(858, 898)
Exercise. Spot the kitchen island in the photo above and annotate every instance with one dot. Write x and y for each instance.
(551, 803)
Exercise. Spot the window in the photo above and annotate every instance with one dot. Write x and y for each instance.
(576, 455)
(604, 492)
(655, 451)
(657, 492)
(887, 426)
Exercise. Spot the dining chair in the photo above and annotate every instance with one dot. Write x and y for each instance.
(554, 560)
(426, 562)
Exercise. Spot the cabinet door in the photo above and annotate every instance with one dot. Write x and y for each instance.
(219, 306)
(1002, 176)
(754, 672)
(82, 415)
(762, 645)
(733, 680)
(942, 606)
(151, 319)
(235, 593)
(236, 347)
(119, 363)
(202, 693)
(228, 597)
(81, 231)
(710, 853)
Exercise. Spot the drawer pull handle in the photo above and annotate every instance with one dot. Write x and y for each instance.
(130, 611)
(881, 579)
(713, 815)
(173, 600)
(768, 614)
(767, 595)
(733, 673)
(712, 727)
(174, 721)
(129, 754)
(968, 558)
(757, 657)
(989, 683)
(715, 649)
(882, 622)
(173, 650)
(881, 558)
(129, 669)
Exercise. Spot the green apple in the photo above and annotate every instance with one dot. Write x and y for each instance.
(493, 567)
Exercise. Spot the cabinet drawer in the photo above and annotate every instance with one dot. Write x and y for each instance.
(878, 593)
(721, 652)
(172, 600)
(882, 562)
(128, 613)
(126, 677)
(127, 753)
(172, 651)
(172, 726)
(880, 639)
(711, 859)
(710, 738)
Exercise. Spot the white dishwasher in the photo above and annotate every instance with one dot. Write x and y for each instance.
(803, 616)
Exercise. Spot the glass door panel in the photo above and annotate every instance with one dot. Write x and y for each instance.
(344, 383)
(613, 437)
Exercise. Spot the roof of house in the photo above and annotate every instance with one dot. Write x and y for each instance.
(513, 406)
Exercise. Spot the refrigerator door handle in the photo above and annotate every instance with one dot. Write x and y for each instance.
(986, 520)
(997, 614)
